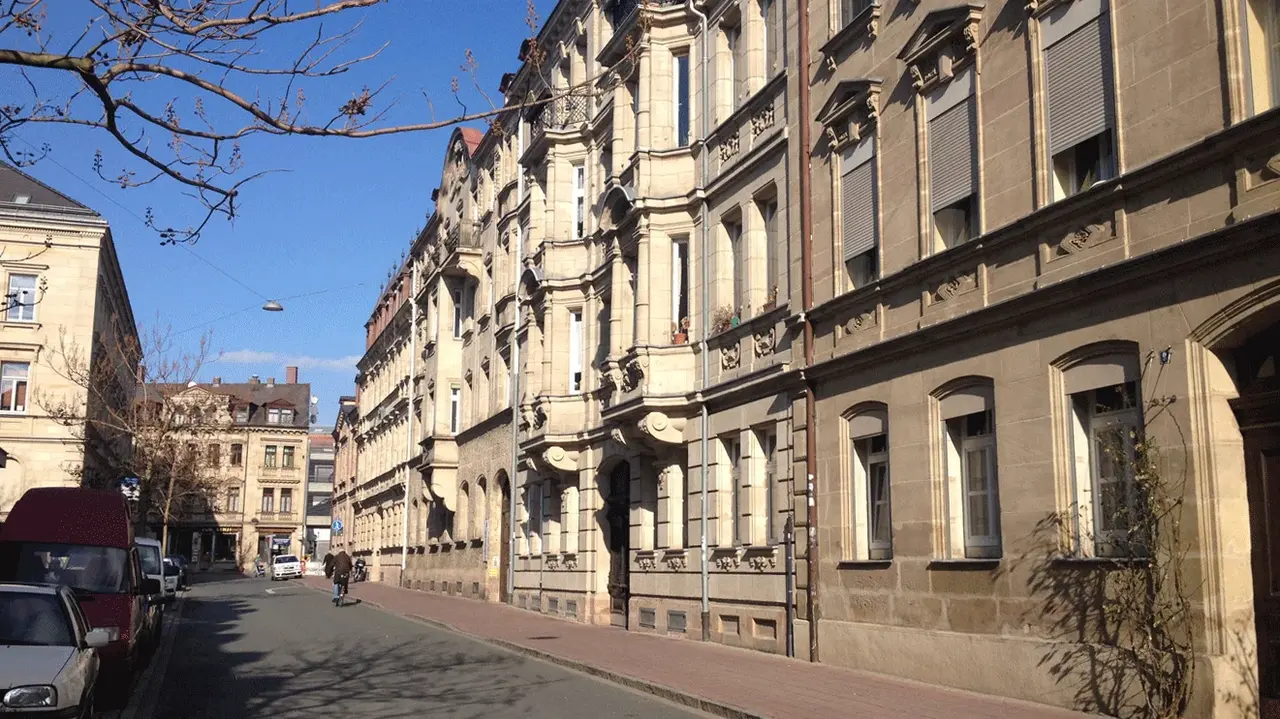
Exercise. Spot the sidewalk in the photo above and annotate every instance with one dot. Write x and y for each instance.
(717, 679)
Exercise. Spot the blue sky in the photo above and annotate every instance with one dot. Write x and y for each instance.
(329, 228)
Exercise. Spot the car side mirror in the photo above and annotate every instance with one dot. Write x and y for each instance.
(150, 586)
(97, 638)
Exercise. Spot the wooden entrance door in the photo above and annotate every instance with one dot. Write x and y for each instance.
(618, 516)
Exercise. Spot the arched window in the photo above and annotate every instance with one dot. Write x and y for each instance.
(461, 528)
(868, 428)
(479, 510)
(967, 439)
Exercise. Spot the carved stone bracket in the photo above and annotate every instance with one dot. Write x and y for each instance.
(551, 561)
(636, 369)
(764, 343)
(727, 559)
(1083, 238)
(662, 429)
(852, 110)
(730, 356)
(570, 560)
(761, 559)
(958, 285)
(676, 560)
(1273, 165)
(561, 460)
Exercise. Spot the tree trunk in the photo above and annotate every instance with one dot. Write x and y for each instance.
(168, 507)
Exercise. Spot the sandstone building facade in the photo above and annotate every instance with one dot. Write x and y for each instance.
(65, 301)
(999, 253)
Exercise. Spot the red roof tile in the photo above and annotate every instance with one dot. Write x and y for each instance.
(472, 137)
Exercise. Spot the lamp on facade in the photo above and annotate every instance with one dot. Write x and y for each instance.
(273, 306)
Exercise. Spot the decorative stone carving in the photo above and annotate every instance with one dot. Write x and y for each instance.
(852, 110)
(662, 428)
(646, 561)
(635, 373)
(917, 78)
(727, 561)
(970, 34)
(762, 561)
(762, 120)
(551, 561)
(676, 561)
(1083, 238)
(729, 147)
(956, 286)
(764, 343)
(561, 460)
(617, 435)
(862, 321)
(944, 41)
(570, 560)
(539, 416)
(1273, 165)
(730, 356)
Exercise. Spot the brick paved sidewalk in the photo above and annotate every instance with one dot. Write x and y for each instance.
(721, 680)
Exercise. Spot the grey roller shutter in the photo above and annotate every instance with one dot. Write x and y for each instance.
(1076, 78)
(858, 209)
(951, 145)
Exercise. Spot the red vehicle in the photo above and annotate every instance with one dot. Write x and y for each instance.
(82, 538)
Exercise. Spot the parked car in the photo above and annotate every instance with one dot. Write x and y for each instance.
(179, 561)
(171, 572)
(151, 555)
(83, 539)
(48, 653)
(285, 566)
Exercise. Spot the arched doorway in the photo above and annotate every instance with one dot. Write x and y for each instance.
(1257, 410)
(618, 518)
(504, 541)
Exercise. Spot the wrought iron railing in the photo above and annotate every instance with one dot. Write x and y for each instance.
(561, 113)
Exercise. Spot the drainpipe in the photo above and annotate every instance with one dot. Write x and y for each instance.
(706, 324)
(408, 470)
(806, 262)
(514, 370)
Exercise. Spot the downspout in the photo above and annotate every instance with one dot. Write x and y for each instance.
(515, 379)
(806, 265)
(408, 470)
(706, 325)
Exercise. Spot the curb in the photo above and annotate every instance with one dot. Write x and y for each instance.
(146, 694)
(661, 691)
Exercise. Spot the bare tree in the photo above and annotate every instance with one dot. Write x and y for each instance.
(139, 415)
(209, 62)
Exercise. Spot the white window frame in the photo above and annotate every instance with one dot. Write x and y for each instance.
(1087, 425)
(580, 200)
(1266, 60)
(269, 456)
(865, 460)
(459, 317)
(455, 408)
(575, 351)
(273, 415)
(958, 446)
(732, 445)
(268, 503)
(680, 96)
(766, 438)
(15, 380)
(22, 307)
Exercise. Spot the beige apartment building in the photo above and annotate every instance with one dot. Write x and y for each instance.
(1037, 260)
(344, 474)
(65, 304)
(256, 450)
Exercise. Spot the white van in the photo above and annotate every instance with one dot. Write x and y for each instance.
(150, 555)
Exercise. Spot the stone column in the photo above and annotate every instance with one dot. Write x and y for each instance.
(644, 333)
(617, 299)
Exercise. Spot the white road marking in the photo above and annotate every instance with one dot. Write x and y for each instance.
(271, 591)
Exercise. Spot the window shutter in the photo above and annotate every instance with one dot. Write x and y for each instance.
(1076, 78)
(951, 149)
(858, 209)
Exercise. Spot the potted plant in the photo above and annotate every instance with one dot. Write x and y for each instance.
(771, 301)
(722, 319)
(680, 331)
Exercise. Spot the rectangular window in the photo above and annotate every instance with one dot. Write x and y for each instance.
(1262, 32)
(237, 455)
(858, 213)
(970, 466)
(269, 456)
(871, 469)
(214, 455)
(242, 414)
(733, 228)
(286, 416)
(286, 500)
(22, 298)
(13, 386)
(1076, 41)
(455, 408)
(680, 284)
(1106, 424)
(580, 199)
(733, 453)
(233, 499)
(769, 218)
(458, 313)
(273, 416)
(268, 500)
(287, 459)
(575, 351)
(681, 100)
(952, 139)
(851, 9)
(635, 113)
(768, 439)
(737, 65)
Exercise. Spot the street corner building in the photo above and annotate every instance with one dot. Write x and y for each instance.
(66, 315)
(253, 446)
(863, 331)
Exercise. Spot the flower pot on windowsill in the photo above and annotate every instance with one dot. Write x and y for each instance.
(679, 338)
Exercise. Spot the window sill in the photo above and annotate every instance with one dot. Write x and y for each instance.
(964, 564)
(864, 564)
(1116, 562)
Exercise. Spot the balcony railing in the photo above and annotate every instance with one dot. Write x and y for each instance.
(266, 516)
(562, 113)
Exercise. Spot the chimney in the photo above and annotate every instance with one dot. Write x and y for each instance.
(217, 381)
(290, 375)
(271, 381)
(253, 379)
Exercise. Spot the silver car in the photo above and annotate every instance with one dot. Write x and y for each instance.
(48, 653)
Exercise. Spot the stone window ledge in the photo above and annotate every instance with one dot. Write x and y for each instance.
(864, 564)
(964, 564)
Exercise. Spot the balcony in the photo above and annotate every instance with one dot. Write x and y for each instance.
(280, 475)
(563, 114)
(264, 517)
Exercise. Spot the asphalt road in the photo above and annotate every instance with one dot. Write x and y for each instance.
(241, 651)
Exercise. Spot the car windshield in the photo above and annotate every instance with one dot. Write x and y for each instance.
(170, 570)
(285, 559)
(34, 620)
(150, 557)
(97, 570)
